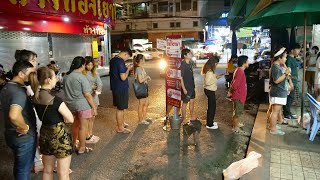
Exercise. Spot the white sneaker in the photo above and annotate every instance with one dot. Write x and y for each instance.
(215, 126)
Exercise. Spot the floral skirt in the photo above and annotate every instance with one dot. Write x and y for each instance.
(56, 140)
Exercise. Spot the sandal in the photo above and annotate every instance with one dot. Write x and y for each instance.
(278, 132)
(125, 125)
(92, 140)
(144, 122)
(125, 131)
(86, 151)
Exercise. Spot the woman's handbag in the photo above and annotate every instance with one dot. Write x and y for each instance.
(140, 89)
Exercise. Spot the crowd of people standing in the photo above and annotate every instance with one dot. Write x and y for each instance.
(30, 108)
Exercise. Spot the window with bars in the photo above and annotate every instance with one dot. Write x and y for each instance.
(172, 24)
(178, 24)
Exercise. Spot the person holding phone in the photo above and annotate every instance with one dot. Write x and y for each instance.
(210, 87)
(120, 86)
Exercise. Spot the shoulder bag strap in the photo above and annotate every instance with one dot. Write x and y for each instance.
(45, 110)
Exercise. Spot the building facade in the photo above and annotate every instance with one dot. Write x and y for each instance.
(155, 19)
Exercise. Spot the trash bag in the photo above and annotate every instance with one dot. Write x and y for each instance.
(239, 168)
(305, 120)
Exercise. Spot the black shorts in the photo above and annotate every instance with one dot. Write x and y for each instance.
(120, 99)
(186, 97)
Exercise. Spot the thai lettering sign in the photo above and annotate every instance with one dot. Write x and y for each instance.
(173, 76)
(94, 31)
(93, 10)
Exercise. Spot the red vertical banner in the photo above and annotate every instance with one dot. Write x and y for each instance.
(173, 75)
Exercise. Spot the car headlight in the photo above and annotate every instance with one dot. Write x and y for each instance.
(163, 64)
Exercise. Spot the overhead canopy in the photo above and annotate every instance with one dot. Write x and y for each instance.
(286, 13)
(240, 10)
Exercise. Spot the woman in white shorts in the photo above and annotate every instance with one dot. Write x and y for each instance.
(279, 88)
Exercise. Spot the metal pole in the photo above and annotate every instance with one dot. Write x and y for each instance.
(304, 63)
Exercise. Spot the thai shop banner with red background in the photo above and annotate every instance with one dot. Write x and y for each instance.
(44, 24)
(90, 10)
(173, 75)
(85, 11)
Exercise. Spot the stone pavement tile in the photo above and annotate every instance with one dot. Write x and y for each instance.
(275, 153)
(285, 167)
(304, 153)
(296, 168)
(307, 164)
(274, 178)
(296, 163)
(310, 175)
(297, 160)
(286, 176)
(298, 178)
(275, 159)
(275, 174)
(294, 156)
(285, 162)
(275, 165)
(308, 170)
(273, 169)
(285, 158)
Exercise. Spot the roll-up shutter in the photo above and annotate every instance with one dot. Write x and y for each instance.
(67, 46)
(10, 41)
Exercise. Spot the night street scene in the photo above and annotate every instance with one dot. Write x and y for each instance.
(157, 90)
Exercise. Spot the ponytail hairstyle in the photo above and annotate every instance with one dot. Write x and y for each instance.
(39, 78)
(77, 63)
(89, 59)
(137, 60)
(24, 55)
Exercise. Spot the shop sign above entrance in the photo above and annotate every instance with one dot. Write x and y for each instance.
(94, 31)
(92, 10)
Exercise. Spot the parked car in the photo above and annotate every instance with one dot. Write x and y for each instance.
(147, 55)
(156, 53)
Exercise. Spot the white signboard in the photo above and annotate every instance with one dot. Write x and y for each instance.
(173, 48)
(161, 44)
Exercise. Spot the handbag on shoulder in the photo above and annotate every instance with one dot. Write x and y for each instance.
(140, 89)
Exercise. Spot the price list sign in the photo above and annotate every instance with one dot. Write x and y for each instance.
(173, 75)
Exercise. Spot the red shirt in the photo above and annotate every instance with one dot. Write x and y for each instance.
(238, 87)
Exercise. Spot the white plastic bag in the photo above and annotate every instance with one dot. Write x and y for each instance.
(305, 120)
(239, 168)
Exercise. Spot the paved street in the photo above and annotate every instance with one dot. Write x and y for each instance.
(149, 152)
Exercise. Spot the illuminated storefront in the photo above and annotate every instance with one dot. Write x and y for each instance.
(56, 29)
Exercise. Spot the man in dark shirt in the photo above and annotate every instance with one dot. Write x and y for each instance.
(20, 120)
(119, 86)
(188, 93)
(292, 63)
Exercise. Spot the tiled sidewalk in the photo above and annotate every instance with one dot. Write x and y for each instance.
(291, 156)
